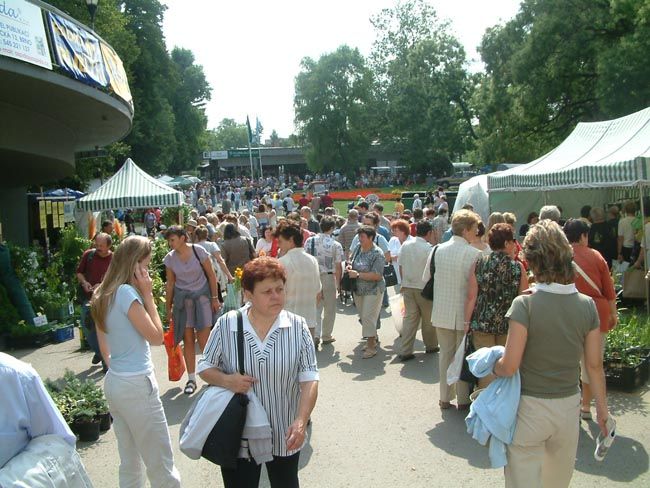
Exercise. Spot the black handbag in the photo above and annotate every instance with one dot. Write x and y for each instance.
(224, 441)
(347, 283)
(427, 291)
(465, 374)
(390, 276)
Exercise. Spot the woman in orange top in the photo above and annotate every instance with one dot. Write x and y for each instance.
(592, 278)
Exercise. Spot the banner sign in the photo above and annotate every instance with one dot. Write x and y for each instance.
(22, 33)
(77, 51)
(243, 153)
(116, 75)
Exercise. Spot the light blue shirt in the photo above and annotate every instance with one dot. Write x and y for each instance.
(493, 415)
(130, 352)
(26, 409)
(379, 241)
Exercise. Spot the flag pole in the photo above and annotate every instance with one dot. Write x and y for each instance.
(250, 155)
(249, 136)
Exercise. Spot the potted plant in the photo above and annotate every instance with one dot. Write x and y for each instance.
(626, 353)
(23, 335)
(85, 421)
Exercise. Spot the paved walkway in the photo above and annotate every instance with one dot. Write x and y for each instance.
(376, 424)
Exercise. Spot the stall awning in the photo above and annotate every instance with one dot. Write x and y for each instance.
(131, 187)
(613, 153)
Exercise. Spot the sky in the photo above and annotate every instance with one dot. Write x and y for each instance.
(251, 50)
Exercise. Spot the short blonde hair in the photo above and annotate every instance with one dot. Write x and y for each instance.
(463, 220)
(510, 218)
(549, 253)
(495, 218)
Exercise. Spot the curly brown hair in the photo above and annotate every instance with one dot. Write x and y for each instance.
(549, 253)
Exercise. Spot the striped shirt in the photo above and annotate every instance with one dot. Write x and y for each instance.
(280, 362)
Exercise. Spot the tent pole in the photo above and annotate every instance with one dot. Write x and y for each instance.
(645, 263)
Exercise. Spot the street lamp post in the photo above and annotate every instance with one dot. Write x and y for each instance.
(92, 10)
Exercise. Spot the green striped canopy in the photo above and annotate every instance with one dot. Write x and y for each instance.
(131, 187)
(613, 153)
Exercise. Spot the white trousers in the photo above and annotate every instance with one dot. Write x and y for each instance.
(326, 313)
(141, 430)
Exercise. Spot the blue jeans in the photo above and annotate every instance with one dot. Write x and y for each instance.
(88, 325)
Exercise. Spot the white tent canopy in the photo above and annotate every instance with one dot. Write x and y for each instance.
(599, 156)
(131, 187)
(474, 191)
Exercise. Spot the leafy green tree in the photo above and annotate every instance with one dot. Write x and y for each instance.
(274, 139)
(558, 63)
(422, 90)
(188, 102)
(153, 138)
(331, 109)
(228, 135)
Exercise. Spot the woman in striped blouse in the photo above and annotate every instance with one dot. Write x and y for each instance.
(280, 366)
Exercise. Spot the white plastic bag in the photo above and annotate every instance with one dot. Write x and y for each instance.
(397, 311)
(453, 372)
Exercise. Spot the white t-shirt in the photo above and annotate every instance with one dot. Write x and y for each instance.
(253, 225)
(130, 352)
(289, 202)
(626, 231)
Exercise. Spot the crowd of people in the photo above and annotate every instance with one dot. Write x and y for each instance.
(295, 261)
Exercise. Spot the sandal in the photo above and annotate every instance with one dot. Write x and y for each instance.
(370, 352)
(585, 414)
(190, 387)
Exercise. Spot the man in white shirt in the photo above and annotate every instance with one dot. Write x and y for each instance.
(288, 203)
(26, 409)
(412, 259)
(417, 203)
(626, 233)
(329, 254)
(303, 286)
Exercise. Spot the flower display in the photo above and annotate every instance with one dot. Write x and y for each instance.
(239, 272)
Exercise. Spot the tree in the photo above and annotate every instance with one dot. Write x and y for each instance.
(188, 102)
(332, 97)
(111, 25)
(228, 135)
(558, 63)
(274, 139)
(422, 88)
(152, 139)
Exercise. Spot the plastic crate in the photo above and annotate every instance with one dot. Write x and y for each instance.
(62, 334)
(626, 378)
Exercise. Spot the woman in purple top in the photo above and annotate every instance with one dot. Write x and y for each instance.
(192, 296)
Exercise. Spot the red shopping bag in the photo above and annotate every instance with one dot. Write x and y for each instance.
(175, 359)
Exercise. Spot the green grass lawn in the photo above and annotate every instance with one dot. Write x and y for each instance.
(342, 206)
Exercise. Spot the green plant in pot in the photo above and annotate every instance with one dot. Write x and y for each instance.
(85, 421)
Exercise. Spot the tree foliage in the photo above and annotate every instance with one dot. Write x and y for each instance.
(331, 103)
(228, 135)
(558, 63)
(169, 90)
(422, 87)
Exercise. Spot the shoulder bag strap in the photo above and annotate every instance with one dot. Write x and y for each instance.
(240, 342)
(432, 266)
(313, 246)
(200, 264)
(586, 278)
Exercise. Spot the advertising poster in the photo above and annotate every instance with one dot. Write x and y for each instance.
(116, 75)
(22, 33)
(68, 211)
(77, 51)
